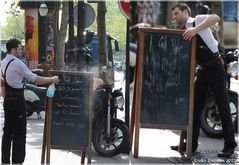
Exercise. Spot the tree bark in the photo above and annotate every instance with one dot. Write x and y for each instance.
(101, 32)
(60, 37)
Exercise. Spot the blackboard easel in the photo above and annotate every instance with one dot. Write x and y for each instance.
(68, 119)
(164, 84)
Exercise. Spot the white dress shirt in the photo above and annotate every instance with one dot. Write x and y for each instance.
(16, 71)
(205, 34)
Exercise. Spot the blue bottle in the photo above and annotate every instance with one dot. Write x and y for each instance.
(51, 90)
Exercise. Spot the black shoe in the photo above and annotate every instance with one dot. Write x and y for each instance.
(226, 153)
(175, 148)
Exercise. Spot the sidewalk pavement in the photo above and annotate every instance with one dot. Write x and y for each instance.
(154, 148)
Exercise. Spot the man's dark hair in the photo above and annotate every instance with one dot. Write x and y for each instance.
(12, 43)
(182, 7)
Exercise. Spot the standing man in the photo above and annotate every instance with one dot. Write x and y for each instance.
(211, 73)
(14, 131)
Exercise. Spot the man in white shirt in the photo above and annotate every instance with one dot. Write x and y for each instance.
(14, 131)
(211, 73)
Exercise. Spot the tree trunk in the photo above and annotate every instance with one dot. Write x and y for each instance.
(60, 37)
(101, 32)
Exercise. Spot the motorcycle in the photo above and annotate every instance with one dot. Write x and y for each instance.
(35, 96)
(210, 120)
(110, 134)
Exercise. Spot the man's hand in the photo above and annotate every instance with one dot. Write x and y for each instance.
(189, 33)
(55, 79)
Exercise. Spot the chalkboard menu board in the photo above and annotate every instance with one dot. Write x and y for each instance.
(164, 83)
(164, 75)
(70, 118)
(165, 79)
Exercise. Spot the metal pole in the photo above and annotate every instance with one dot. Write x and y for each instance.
(80, 59)
(71, 21)
(127, 89)
(80, 23)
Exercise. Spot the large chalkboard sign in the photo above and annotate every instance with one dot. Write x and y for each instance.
(69, 116)
(165, 79)
(163, 96)
(70, 110)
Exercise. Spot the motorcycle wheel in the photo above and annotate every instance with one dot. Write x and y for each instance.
(29, 109)
(113, 145)
(211, 123)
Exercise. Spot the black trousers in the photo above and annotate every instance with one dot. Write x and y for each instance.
(215, 78)
(14, 131)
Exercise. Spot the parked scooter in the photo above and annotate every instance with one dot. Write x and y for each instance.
(110, 134)
(35, 96)
(35, 99)
(210, 120)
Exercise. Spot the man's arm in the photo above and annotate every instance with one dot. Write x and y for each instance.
(208, 22)
(27, 73)
(46, 80)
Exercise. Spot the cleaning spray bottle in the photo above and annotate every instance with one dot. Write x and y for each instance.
(51, 90)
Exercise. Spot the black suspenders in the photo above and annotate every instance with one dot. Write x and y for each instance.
(4, 75)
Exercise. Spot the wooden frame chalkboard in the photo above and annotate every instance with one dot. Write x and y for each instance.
(164, 83)
(68, 123)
